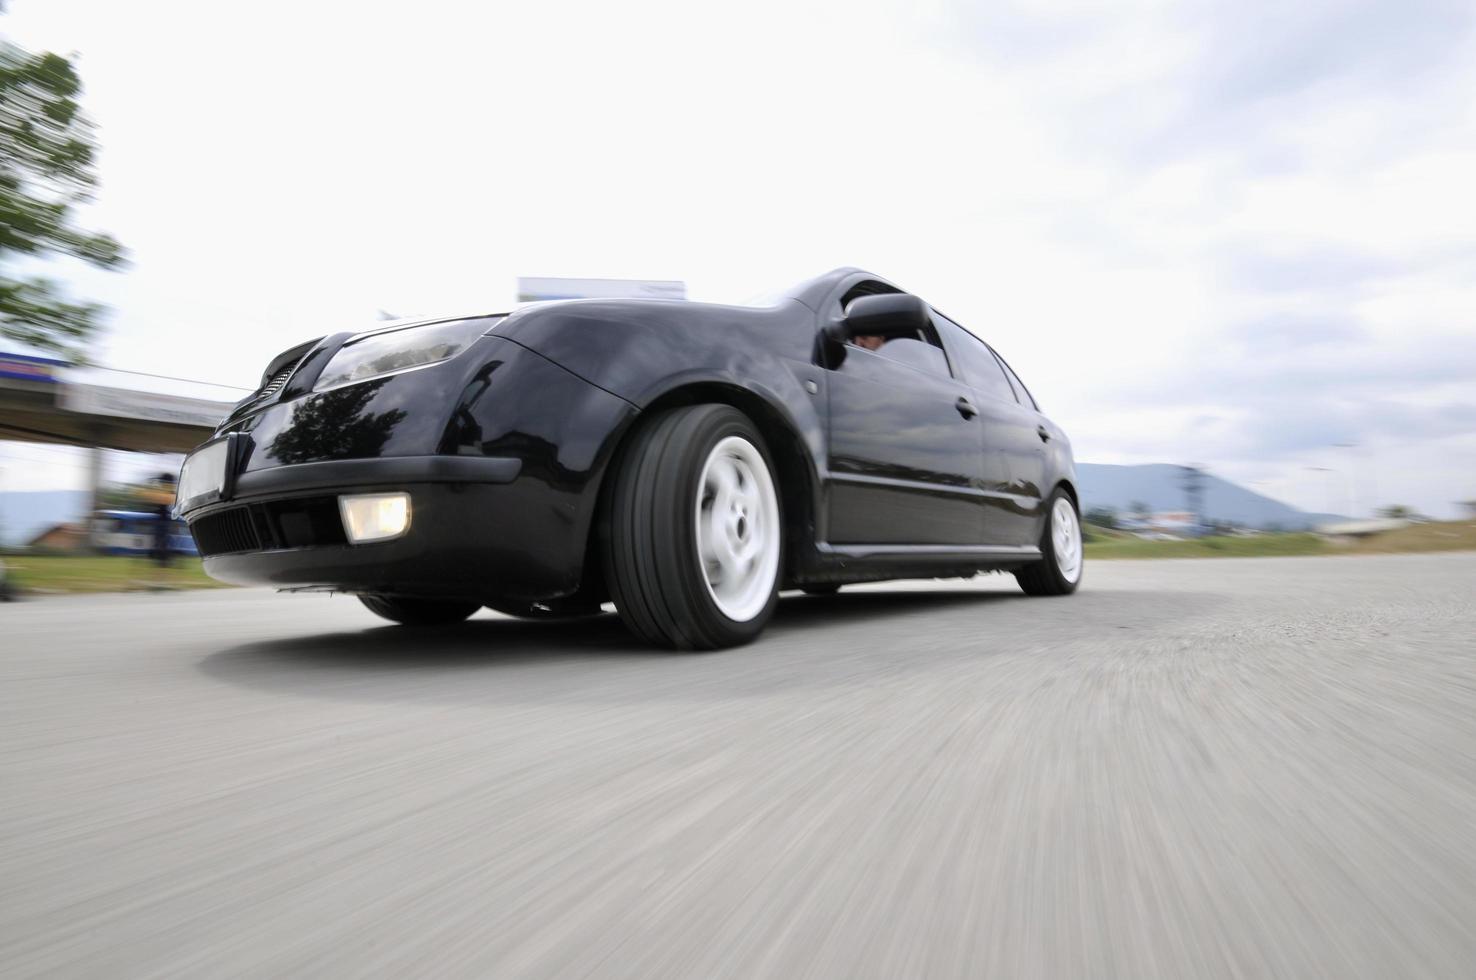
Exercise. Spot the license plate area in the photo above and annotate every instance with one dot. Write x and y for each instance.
(205, 475)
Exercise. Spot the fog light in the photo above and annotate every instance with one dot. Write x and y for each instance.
(375, 516)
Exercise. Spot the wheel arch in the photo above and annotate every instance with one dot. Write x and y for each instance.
(793, 462)
(1070, 489)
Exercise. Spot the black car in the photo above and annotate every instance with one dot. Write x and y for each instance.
(683, 460)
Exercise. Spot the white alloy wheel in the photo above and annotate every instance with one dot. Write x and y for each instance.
(691, 534)
(1066, 539)
(738, 528)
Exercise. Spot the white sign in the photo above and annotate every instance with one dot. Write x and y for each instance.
(532, 289)
(150, 407)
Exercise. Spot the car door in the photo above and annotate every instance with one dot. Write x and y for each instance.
(1030, 462)
(904, 449)
(1013, 450)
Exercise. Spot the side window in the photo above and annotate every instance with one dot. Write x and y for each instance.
(923, 352)
(1026, 398)
(923, 355)
(980, 369)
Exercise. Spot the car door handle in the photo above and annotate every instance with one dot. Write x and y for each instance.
(966, 408)
(1043, 432)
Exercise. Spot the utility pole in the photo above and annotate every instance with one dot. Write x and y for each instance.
(1191, 478)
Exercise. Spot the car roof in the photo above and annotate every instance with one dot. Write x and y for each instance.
(810, 292)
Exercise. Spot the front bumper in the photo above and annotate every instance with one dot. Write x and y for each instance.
(479, 530)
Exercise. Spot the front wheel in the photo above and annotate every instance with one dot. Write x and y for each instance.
(418, 612)
(1059, 570)
(693, 533)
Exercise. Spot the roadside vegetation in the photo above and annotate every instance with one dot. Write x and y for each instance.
(1261, 545)
(1107, 543)
(42, 574)
(1434, 536)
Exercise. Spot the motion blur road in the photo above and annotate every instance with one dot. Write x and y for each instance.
(1190, 769)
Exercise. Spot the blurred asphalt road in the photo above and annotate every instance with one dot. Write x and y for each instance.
(1190, 769)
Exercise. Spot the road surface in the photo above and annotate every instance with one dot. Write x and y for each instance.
(1190, 769)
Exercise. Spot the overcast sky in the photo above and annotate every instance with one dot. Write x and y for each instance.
(1237, 234)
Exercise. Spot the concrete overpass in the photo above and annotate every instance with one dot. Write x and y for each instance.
(44, 400)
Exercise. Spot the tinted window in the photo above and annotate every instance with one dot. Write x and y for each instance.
(1024, 393)
(924, 355)
(980, 369)
(867, 287)
(922, 351)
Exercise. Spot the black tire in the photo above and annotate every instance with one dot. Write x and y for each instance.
(1045, 577)
(418, 612)
(551, 609)
(649, 547)
(828, 588)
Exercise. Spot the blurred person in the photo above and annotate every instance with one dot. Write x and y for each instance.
(871, 342)
(159, 495)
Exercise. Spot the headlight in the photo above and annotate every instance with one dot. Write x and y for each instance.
(399, 350)
(374, 516)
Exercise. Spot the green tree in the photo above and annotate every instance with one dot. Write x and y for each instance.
(1101, 516)
(46, 169)
(117, 496)
(126, 496)
(1398, 512)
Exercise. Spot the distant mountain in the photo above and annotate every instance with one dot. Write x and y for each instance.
(1159, 485)
(26, 513)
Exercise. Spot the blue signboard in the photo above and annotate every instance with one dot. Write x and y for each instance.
(24, 367)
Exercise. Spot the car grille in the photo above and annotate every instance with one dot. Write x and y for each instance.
(225, 532)
(302, 522)
(275, 382)
(254, 400)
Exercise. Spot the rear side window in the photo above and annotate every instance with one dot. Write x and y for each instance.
(980, 369)
(1026, 398)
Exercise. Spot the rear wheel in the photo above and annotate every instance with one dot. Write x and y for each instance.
(1059, 570)
(693, 534)
(418, 612)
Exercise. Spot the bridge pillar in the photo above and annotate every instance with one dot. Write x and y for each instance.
(95, 476)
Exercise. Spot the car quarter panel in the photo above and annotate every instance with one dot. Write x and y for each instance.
(635, 348)
(642, 351)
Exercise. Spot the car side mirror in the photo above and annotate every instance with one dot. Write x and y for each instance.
(889, 315)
